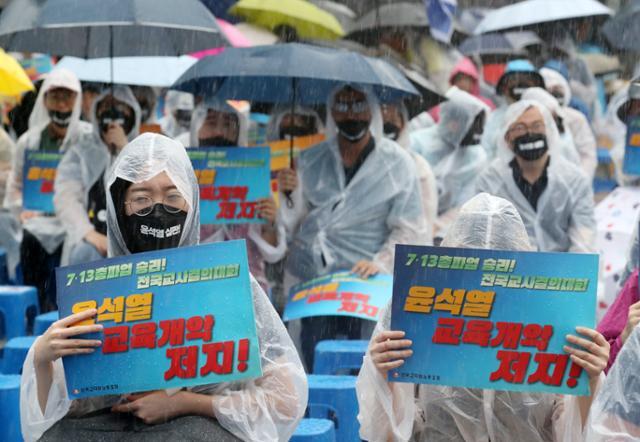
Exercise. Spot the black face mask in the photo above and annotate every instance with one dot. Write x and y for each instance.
(516, 91)
(216, 141)
(183, 117)
(158, 230)
(292, 132)
(60, 119)
(113, 115)
(530, 147)
(391, 131)
(353, 130)
(474, 135)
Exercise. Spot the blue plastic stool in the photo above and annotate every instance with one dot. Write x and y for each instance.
(14, 353)
(44, 321)
(331, 357)
(339, 394)
(10, 408)
(18, 308)
(4, 271)
(314, 430)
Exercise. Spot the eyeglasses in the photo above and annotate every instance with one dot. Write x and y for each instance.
(143, 205)
(520, 129)
(356, 107)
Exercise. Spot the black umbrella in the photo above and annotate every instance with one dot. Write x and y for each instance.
(623, 31)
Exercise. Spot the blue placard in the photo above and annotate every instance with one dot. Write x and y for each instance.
(231, 181)
(172, 318)
(492, 319)
(631, 165)
(38, 176)
(339, 294)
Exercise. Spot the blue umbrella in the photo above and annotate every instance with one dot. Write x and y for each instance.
(291, 73)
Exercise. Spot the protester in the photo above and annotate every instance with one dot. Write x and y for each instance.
(359, 196)
(574, 120)
(54, 126)
(623, 109)
(178, 108)
(404, 411)
(553, 196)
(79, 198)
(453, 150)
(465, 76)
(215, 123)
(567, 147)
(518, 76)
(283, 125)
(264, 409)
(395, 118)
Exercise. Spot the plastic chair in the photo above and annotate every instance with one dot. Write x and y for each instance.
(14, 353)
(314, 430)
(339, 394)
(10, 408)
(4, 271)
(43, 322)
(18, 308)
(334, 356)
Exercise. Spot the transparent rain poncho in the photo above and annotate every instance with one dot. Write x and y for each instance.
(616, 130)
(615, 412)
(83, 164)
(264, 409)
(456, 167)
(283, 110)
(404, 411)
(574, 120)
(567, 147)
(259, 250)
(336, 225)
(175, 101)
(564, 220)
(47, 229)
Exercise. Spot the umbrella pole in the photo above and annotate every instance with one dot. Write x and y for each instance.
(292, 116)
(111, 57)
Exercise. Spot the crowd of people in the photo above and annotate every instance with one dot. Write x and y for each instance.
(507, 170)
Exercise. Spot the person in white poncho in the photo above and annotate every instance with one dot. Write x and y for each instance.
(153, 175)
(392, 411)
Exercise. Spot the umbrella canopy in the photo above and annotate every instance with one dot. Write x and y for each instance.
(532, 12)
(291, 72)
(234, 36)
(307, 19)
(430, 96)
(136, 71)
(220, 9)
(13, 79)
(341, 12)
(396, 15)
(106, 28)
(499, 44)
(623, 31)
(257, 35)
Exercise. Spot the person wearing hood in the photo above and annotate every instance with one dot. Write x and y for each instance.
(574, 120)
(453, 150)
(54, 126)
(465, 76)
(518, 76)
(567, 147)
(152, 182)
(216, 123)
(283, 125)
(359, 197)
(79, 197)
(403, 411)
(178, 108)
(395, 118)
(553, 196)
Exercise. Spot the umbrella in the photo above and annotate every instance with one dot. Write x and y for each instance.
(136, 71)
(430, 96)
(393, 15)
(291, 73)
(220, 8)
(257, 35)
(307, 19)
(234, 36)
(496, 43)
(533, 12)
(623, 30)
(109, 28)
(341, 12)
(13, 79)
